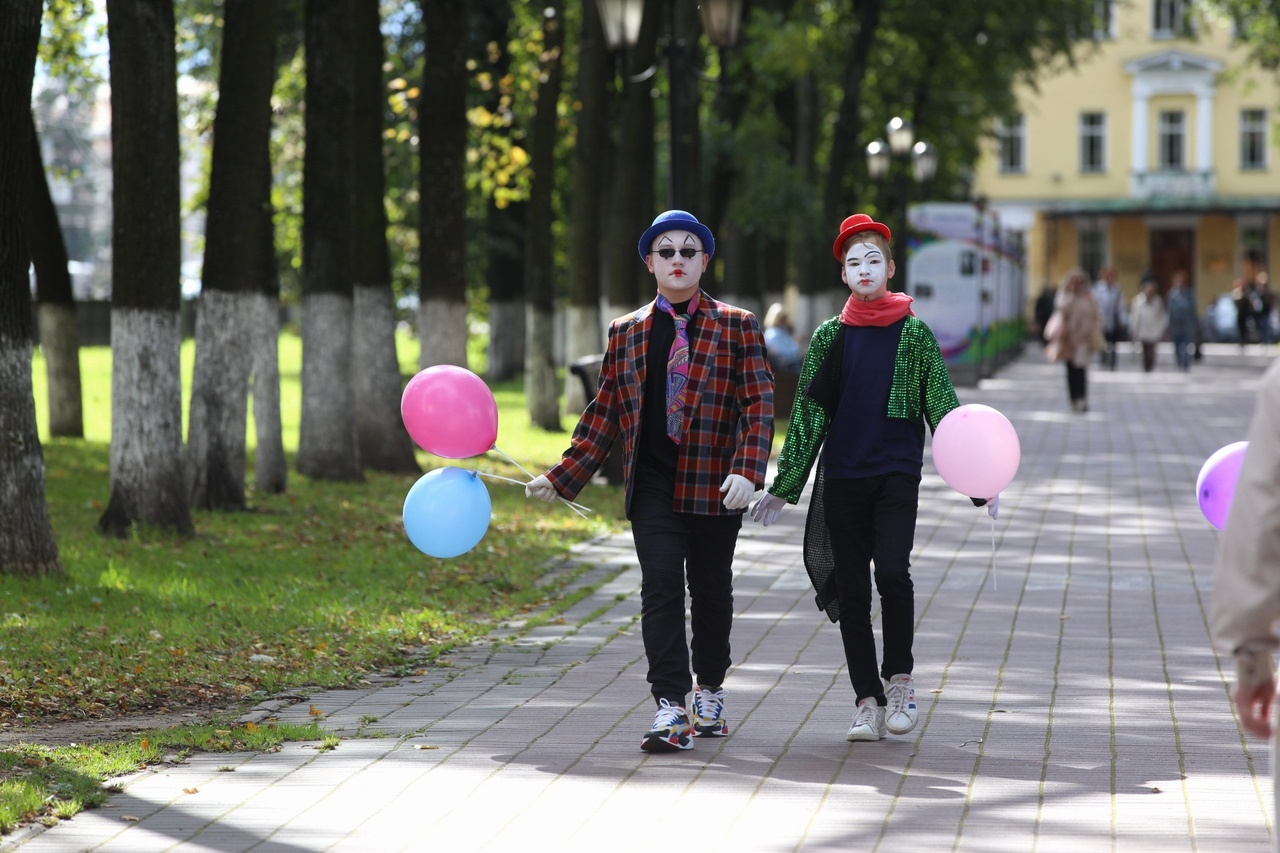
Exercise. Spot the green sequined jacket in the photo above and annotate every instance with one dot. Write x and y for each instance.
(921, 389)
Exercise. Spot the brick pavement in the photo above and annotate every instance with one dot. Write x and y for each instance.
(1069, 698)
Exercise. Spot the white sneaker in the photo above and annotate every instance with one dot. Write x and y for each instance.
(868, 723)
(900, 712)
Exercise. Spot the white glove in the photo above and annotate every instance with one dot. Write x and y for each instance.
(993, 507)
(540, 487)
(737, 491)
(767, 508)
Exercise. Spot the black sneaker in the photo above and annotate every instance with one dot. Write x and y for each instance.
(671, 730)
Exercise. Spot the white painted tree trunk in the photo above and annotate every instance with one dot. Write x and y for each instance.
(541, 386)
(60, 341)
(271, 470)
(327, 436)
(148, 485)
(219, 402)
(506, 339)
(384, 443)
(582, 338)
(442, 332)
(27, 545)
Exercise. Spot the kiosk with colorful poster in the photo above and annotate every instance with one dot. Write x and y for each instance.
(968, 281)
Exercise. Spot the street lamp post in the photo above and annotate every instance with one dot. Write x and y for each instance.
(924, 164)
(721, 20)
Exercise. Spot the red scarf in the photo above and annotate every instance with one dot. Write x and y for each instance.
(885, 311)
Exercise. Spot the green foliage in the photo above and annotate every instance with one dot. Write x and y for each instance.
(1256, 23)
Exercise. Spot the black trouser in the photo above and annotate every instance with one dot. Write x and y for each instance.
(1112, 338)
(1076, 382)
(874, 519)
(674, 547)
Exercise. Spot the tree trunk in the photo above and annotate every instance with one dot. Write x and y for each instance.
(147, 483)
(442, 315)
(540, 367)
(327, 445)
(239, 262)
(631, 204)
(505, 220)
(270, 467)
(59, 335)
(582, 322)
(384, 443)
(504, 238)
(27, 546)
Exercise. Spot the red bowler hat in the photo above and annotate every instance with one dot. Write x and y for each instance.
(853, 225)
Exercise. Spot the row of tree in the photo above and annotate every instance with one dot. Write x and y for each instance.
(485, 155)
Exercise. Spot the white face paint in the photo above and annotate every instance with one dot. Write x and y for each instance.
(866, 271)
(677, 276)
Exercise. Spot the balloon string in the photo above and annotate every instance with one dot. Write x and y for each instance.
(576, 507)
(995, 579)
(496, 477)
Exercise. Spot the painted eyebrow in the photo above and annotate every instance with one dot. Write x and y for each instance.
(689, 240)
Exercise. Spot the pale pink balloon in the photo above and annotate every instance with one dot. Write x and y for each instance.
(976, 450)
(450, 412)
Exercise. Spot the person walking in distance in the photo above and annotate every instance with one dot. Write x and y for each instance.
(1182, 319)
(686, 388)
(1115, 324)
(1074, 333)
(1148, 321)
(872, 378)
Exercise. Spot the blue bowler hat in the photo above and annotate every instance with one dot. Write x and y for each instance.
(676, 220)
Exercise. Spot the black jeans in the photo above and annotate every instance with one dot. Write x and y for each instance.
(874, 519)
(1077, 382)
(673, 548)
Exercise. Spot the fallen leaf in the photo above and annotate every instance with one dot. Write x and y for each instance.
(250, 726)
(190, 790)
(315, 712)
(425, 746)
(130, 818)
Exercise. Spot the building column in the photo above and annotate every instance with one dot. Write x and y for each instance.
(1204, 129)
(1138, 142)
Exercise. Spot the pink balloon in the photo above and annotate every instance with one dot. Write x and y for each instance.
(450, 412)
(1216, 484)
(976, 450)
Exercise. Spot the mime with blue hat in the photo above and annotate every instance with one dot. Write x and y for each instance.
(685, 386)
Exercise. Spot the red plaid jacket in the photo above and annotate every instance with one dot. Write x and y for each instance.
(730, 430)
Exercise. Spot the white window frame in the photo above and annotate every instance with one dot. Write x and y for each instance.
(1169, 18)
(1093, 138)
(1253, 140)
(1104, 20)
(1171, 138)
(1011, 145)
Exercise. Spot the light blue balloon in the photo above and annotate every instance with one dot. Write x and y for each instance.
(446, 512)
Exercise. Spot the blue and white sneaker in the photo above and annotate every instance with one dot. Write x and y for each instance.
(900, 707)
(671, 730)
(708, 713)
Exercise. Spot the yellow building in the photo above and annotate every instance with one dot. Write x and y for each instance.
(1156, 153)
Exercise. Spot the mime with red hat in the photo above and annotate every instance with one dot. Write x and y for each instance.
(871, 380)
(685, 386)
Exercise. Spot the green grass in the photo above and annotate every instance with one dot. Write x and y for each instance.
(314, 588)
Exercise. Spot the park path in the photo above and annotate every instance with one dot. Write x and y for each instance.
(1069, 697)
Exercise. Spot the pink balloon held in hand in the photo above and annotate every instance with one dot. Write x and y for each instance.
(450, 412)
(976, 450)
(1216, 484)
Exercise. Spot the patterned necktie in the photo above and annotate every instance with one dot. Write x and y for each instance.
(677, 367)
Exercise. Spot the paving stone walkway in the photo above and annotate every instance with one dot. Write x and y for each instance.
(1069, 697)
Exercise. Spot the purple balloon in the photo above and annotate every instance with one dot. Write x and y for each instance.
(1216, 485)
